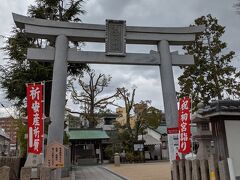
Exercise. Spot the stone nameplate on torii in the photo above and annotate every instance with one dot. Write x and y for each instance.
(115, 43)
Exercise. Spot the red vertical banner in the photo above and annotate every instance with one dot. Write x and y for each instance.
(35, 117)
(184, 125)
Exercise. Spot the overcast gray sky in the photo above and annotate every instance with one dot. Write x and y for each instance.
(139, 13)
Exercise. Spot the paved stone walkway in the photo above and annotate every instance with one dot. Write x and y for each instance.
(92, 173)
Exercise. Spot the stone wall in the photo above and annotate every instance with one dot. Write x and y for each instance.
(15, 165)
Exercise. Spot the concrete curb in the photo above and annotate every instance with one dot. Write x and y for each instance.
(105, 168)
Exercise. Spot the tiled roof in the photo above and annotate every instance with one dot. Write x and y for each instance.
(3, 134)
(221, 106)
(162, 129)
(149, 140)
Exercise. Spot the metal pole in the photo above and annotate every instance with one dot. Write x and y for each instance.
(44, 117)
(191, 124)
(57, 106)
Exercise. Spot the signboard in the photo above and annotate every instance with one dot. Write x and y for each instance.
(138, 147)
(173, 141)
(55, 155)
(115, 38)
(35, 117)
(184, 125)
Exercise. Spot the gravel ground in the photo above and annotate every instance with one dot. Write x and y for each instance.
(143, 171)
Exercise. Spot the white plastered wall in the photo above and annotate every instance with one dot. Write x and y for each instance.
(233, 142)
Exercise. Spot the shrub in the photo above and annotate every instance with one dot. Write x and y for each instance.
(130, 157)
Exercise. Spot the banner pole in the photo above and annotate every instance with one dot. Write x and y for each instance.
(191, 124)
(43, 119)
(27, 122)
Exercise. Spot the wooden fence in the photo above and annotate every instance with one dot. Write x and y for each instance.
(196, 169)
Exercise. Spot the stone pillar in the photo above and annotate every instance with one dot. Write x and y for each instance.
(26, 173)
(45, 173)
(203, 136)
(4, 172)
(168, 87)
(101, 152)
(116, 159)
(213, 167)
(57, 106)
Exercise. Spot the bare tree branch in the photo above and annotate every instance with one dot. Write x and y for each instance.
(105, 99)
(73, 112)
(90, 91)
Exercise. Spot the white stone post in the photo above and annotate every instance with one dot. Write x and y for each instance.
(57, 106)
(231, 169)
(168, 87)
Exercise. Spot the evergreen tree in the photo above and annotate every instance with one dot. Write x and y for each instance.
(18, 71)
(212, 77)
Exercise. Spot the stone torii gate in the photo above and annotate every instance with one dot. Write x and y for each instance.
(115, 34)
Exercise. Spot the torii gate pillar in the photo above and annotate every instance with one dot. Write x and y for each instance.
(58, 91)
(55, 131)
(168, 87)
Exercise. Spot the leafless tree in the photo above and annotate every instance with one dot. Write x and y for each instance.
(90, 95)
(128, 99)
